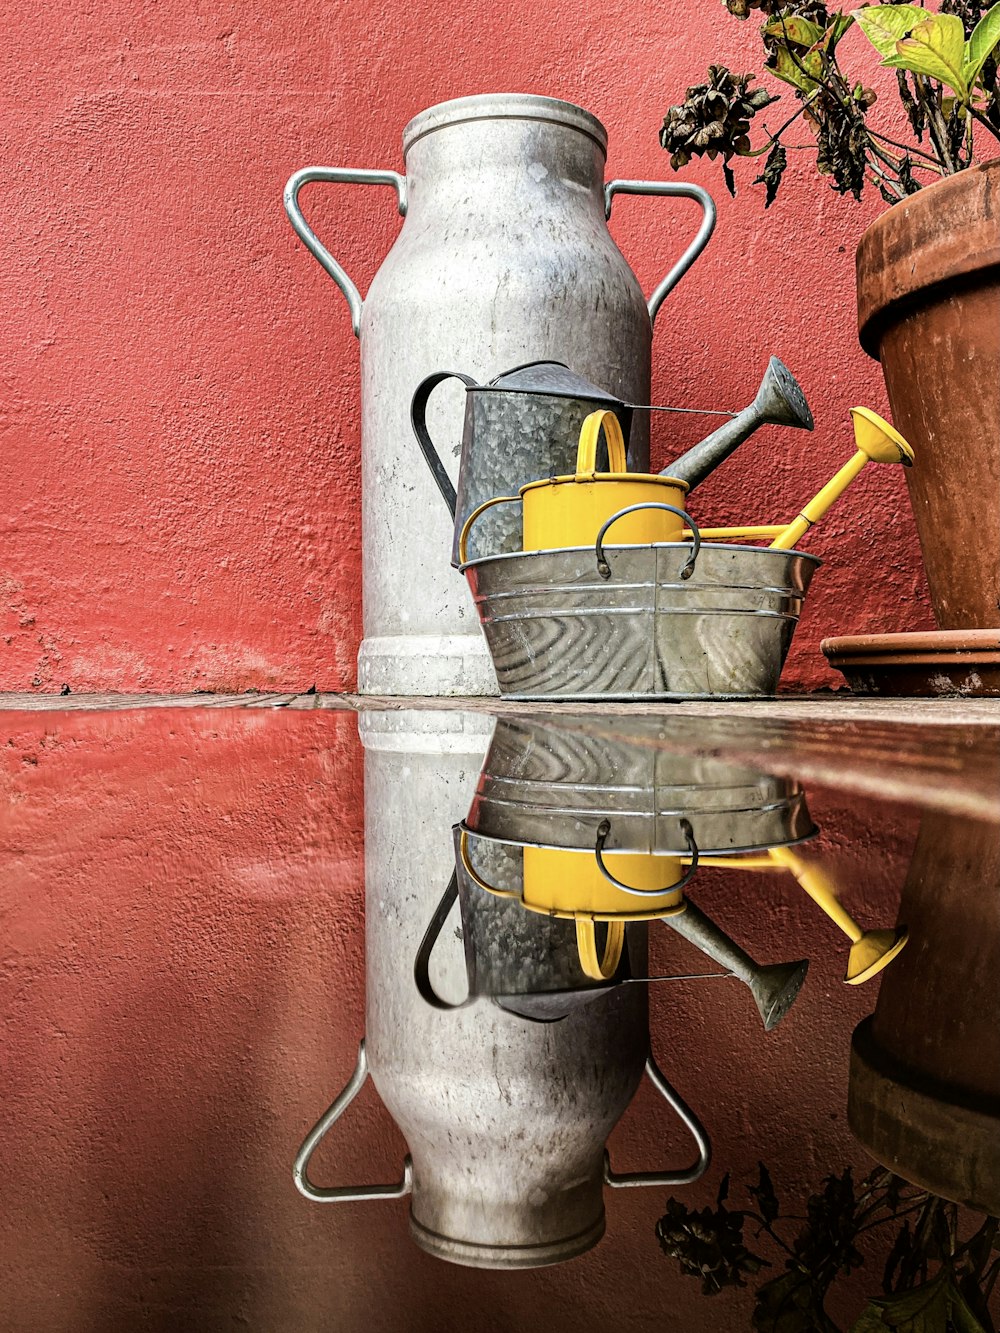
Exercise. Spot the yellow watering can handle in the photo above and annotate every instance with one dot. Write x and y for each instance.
(595, 967)
(463, 540)
(590, 433)
(473, 873)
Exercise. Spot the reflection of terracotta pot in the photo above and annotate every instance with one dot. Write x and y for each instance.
(929, 310)
(924, 1092)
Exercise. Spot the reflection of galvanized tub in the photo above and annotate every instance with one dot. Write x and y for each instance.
(552, 783)
(558, 627)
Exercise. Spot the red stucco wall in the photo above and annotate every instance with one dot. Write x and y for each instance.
(179, 382)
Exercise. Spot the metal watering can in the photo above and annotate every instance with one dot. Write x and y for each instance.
(572, 510)
(525, 426)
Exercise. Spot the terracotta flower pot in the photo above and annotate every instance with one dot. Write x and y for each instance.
(924, 1087)
(929, 309)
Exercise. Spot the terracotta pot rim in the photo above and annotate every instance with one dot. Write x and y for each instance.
(907, 252)
(945, 646)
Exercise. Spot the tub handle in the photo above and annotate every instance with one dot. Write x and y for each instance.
(632, 1179)
(421, 964)
(343, 176)
(418, 420)
(701, 239)
(344, 1193)
(604, 829)
(463, 538)
(687, 569)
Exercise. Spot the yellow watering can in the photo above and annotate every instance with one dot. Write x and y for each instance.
(571, 511)
(876, 441)
(584, 886)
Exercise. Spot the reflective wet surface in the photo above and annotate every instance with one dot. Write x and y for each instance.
(206, 910)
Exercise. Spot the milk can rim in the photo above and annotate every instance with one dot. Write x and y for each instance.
(504, 106)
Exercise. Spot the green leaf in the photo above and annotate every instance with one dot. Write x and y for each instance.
(981, 45)
(935, 48)
(925, 1309)
(870, 1321)
(794, 29)
(961, 1316)
(804, 72)
(884, 25)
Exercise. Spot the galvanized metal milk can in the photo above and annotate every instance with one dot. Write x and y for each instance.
(505, 1118)
(504, 258)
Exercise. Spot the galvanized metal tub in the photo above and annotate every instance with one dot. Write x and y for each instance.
(559, 628)
(551, 783)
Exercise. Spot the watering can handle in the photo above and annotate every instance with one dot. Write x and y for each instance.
(632, 1179)
(688, 191)
(421, 964)
(418, 420)
(687, 569)
(344, 1193)
(343, 176)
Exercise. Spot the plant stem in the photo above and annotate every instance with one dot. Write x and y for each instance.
(983, 121)
(935, 123)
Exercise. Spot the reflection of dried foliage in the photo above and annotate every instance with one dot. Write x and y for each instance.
(947, 84)
(709, 1244)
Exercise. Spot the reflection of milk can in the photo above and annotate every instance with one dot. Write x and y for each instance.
(505, 257)
(505, 1119)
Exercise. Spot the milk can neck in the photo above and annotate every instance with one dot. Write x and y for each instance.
(506, 165)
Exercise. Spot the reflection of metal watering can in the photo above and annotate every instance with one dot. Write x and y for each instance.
(524, 426)
(589, 832)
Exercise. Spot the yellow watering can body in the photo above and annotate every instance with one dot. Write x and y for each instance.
(567, 511)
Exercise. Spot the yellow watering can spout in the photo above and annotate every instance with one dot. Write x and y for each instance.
(877, 442)
(881, 442)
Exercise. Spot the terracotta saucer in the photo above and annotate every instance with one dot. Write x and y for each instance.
(920, 665)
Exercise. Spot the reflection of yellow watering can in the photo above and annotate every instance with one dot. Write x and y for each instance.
(571, 511)
(877, 442)
(571, 884)
(587, 887)
(871, 950)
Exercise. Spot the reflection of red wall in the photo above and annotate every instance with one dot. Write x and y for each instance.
(182, 991)
(180, 397)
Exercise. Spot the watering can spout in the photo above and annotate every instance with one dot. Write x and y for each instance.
(779, 402)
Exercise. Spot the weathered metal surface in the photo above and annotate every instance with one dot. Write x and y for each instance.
(550, 783)
(504, 257)
(558, 630)
(505, 1119)
(523, 425)
(528, 963)
(924, 1091)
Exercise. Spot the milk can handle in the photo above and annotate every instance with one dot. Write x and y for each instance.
(344, 1193)
(689, 191)
(629, 1180)
(343, 176)
(418, 420)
